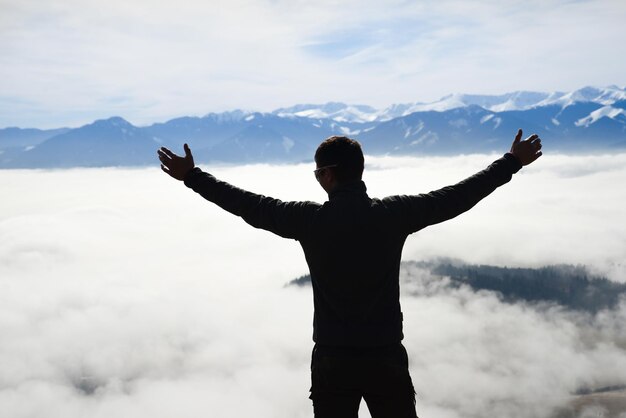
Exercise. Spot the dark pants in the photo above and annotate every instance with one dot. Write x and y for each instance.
(341, 376)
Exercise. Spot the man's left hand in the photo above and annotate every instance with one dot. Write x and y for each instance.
(527, 150)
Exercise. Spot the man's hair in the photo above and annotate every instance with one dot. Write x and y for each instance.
(343, 152)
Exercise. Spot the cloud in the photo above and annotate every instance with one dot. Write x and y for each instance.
(125, 294)
(506, 360)
(71, 59)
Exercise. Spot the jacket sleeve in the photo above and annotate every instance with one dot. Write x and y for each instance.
(419, 211)
(286, 219)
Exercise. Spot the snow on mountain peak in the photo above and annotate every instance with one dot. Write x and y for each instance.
(339, 112)
(230, 116)
(518, 100)
(343, 113)
(605, 96)
(593, 117)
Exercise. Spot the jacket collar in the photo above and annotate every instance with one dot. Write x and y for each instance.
(354, 188)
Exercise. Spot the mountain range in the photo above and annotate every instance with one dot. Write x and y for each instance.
(590, 119)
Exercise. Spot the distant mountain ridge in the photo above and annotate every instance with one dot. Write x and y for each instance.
(585, 120)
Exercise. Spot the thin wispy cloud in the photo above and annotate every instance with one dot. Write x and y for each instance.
(65, 63)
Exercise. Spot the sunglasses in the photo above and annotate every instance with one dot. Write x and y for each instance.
(318, 171)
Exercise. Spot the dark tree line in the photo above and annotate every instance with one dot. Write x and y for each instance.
(573, 287)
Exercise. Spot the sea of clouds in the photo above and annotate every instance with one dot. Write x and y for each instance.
(123, 293)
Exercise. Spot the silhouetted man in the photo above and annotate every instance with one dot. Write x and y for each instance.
(353, 245)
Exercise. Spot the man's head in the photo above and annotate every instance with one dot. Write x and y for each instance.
(339, 160)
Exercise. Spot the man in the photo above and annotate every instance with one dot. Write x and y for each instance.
(352, 244)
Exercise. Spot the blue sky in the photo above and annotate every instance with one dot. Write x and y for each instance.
(68, 62)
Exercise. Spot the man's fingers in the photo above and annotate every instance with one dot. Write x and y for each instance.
(165, 169)
(165, 160)
(532, 138)
(187, 151)
(168, 152)
(535, 142)
(518, 137)
(163, 156)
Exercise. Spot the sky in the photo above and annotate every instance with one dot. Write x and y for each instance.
(123, 293)
(69, 62)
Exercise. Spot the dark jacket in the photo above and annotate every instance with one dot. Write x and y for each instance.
(353, 244)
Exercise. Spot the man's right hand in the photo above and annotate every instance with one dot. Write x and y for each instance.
(174, 165)
(527, 150)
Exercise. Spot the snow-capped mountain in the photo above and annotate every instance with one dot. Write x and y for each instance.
(339, 112)
(519, 100)
(584, 120)
(606, 96)
(510, 101)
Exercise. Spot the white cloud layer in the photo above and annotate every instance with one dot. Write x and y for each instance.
(69, 62)
(122, 293)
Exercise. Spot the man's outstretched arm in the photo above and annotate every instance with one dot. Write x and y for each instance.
(419, 211)
(287, 219)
